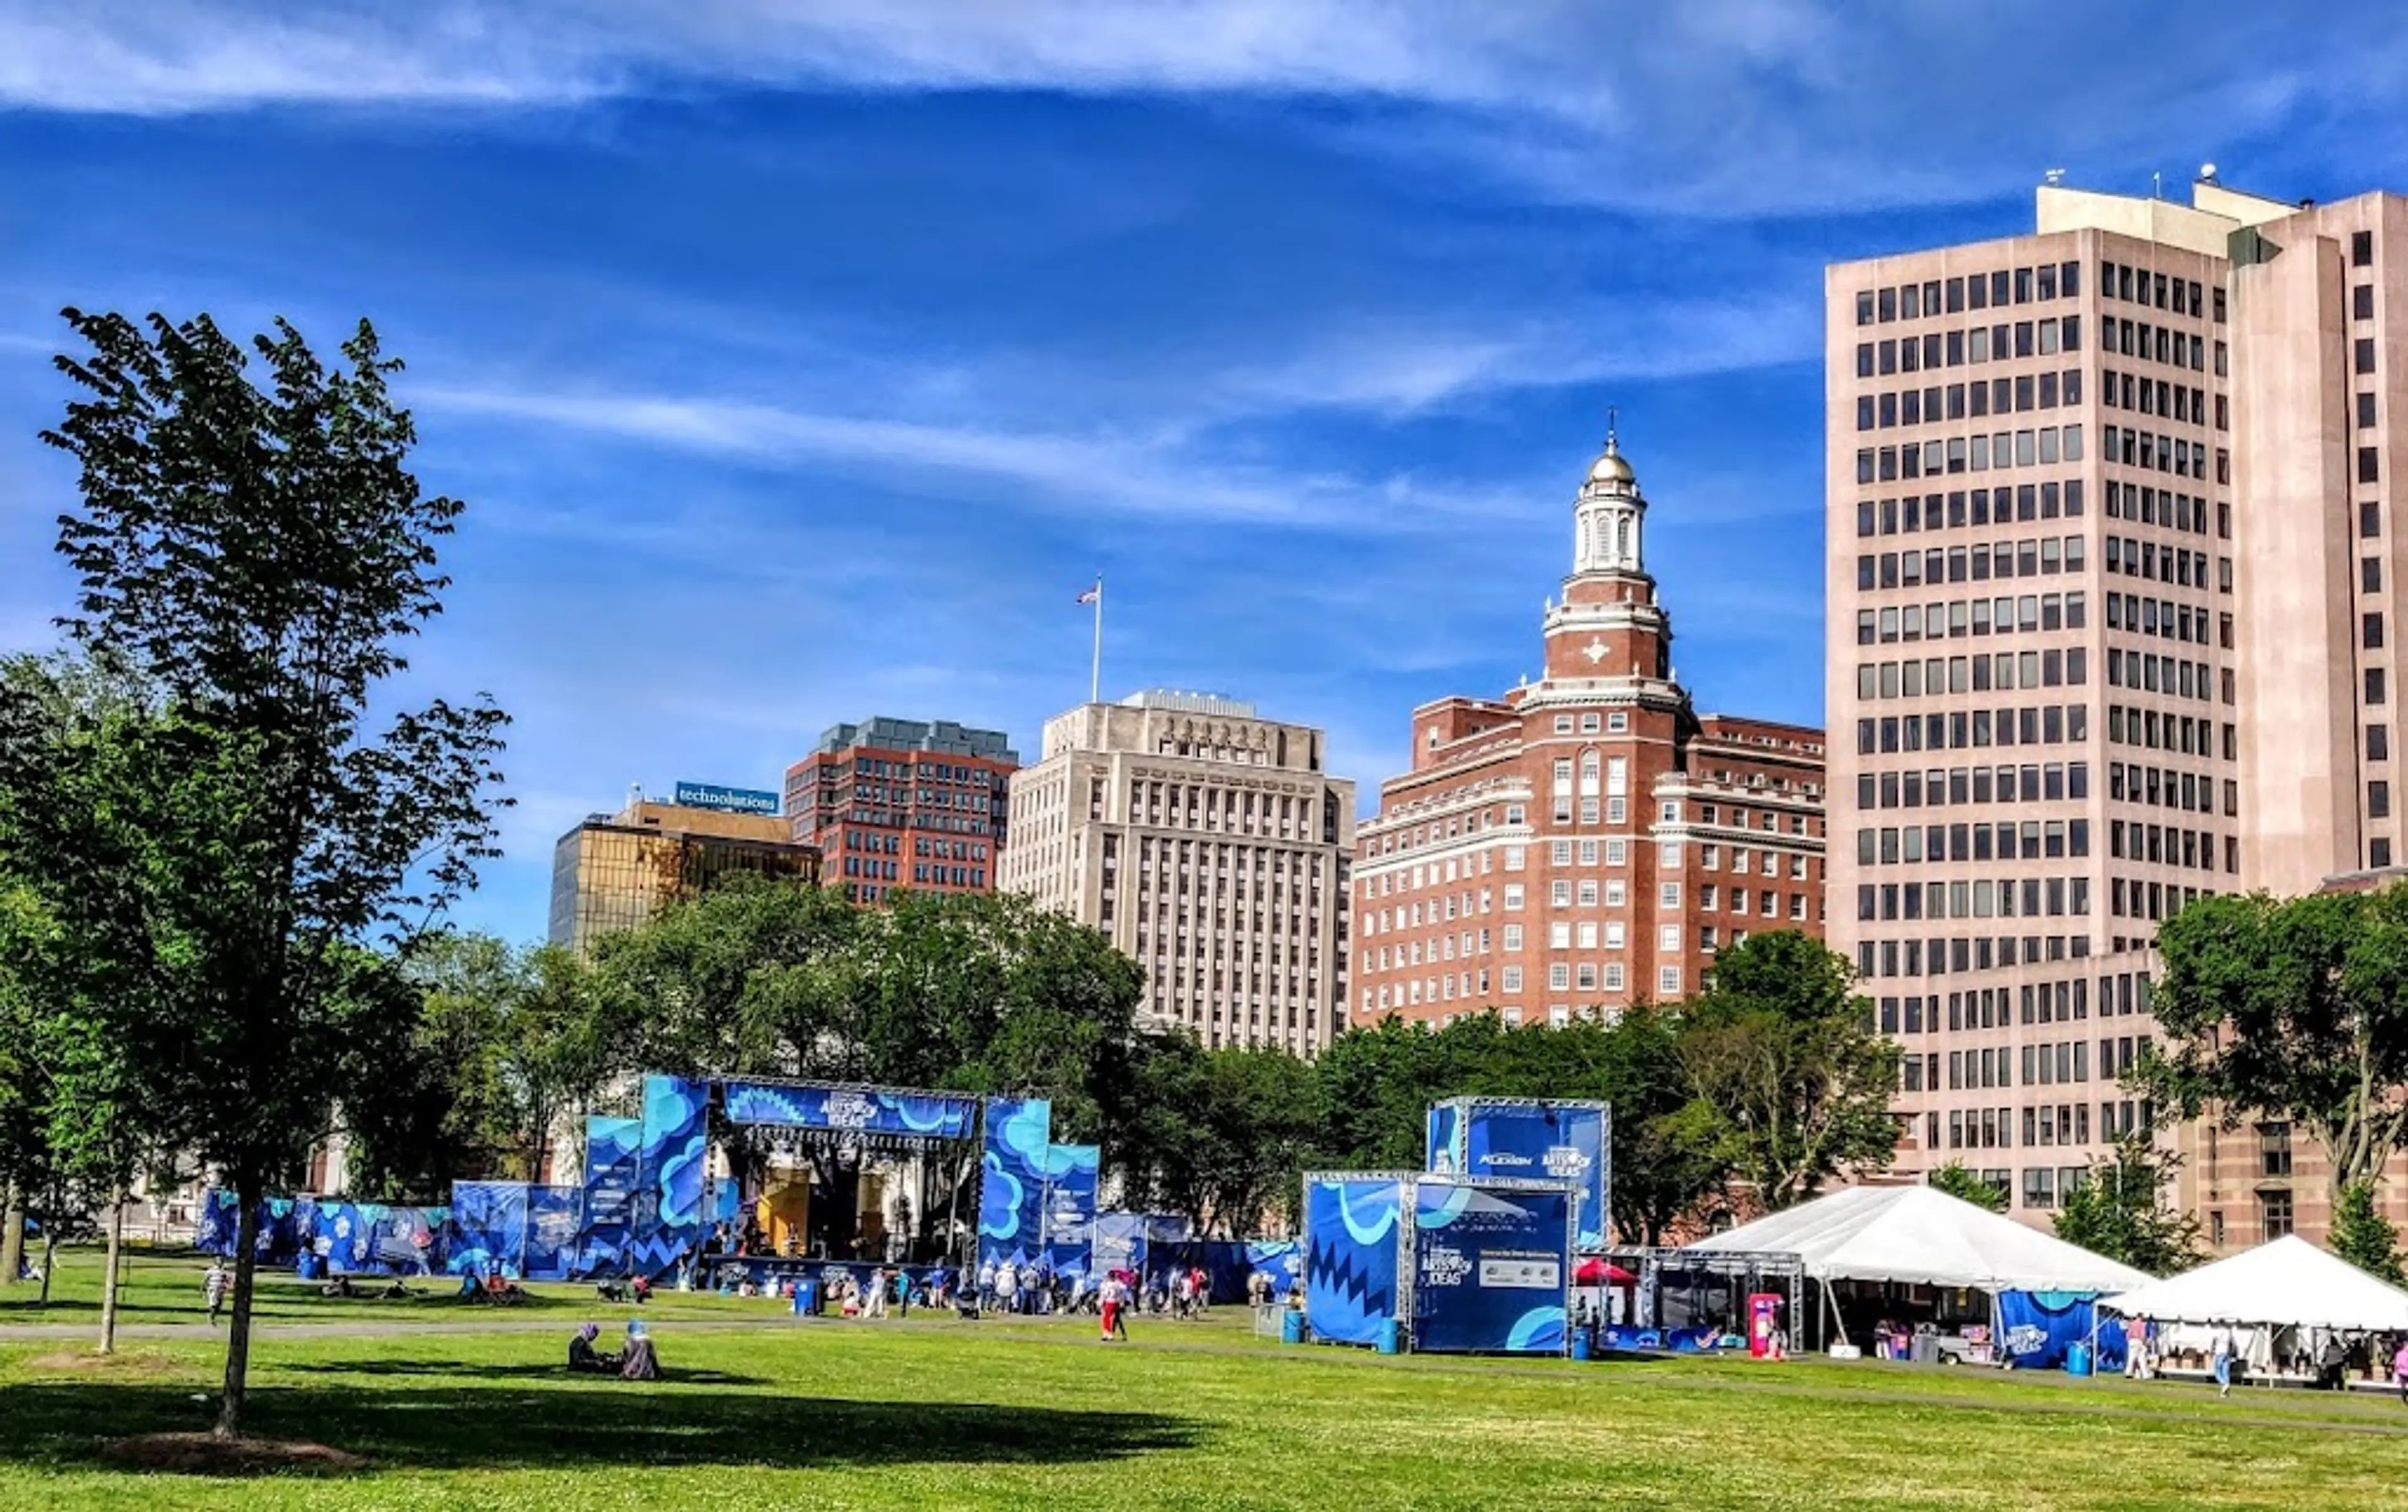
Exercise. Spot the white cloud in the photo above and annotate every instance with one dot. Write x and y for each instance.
(1708, 106)
(1156, 475)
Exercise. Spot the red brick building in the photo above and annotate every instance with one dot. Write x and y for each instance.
(904, 804)
(1588, 841)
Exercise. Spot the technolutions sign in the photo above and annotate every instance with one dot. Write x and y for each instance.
(726, 800)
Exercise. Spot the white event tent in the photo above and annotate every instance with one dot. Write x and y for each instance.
(1923, 1236)
(2285, 1283)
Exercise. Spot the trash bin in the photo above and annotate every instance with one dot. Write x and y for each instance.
(2077, 1359)
(1292, 1326)
(1925, 1349)
(1392, 1339)
(1583, 1343)
(807, 1298)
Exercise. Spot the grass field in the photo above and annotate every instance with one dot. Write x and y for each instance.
(937, 1414)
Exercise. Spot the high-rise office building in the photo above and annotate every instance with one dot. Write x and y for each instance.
(904, 804)
(2108, 547)
(1211, 844)
(1588, 841)
(615, 872)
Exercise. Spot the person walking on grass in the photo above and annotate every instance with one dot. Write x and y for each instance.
(2220, 1359)
(2136, 1349)
(216, 1282)
(1110, 1298)
(2399, 1369)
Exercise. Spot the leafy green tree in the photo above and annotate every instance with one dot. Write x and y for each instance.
(2295, 1011)
(260, 551)
(1783, 1053)
(1967, 1186)
(1220, 1136)
(2362, 1236)
(2119, 1211)
(1670, 1151)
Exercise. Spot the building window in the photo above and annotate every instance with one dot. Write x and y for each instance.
(2275, 1151)
(2273, 1215)
(1668, 982)
(1617, 724)
(1513, 979)
(1613, 976)
(1667, 895)
(1559, 976)
(2361, 255)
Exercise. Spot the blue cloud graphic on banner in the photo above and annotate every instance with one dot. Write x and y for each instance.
(1013, 1178)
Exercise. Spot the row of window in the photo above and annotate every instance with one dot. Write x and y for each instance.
(2007, 839)
(2003, 672)
(2156, 902)
(2168, 619)
(2166, 731)
(2174, 677)
(2165, 845)
(2003, 342)
(1957, 618)
(1610, 977)
(2144, 394)
(1978, 290)
(2162, 787)
(2138, 285)
(2045, 446)
(2033, 556)
(2037, 725)
(2145, 343)
(2043, 1002)
(1957, 401)
(1958, 786)
(1978, 507)
(2147, 504)
(1960, 954)
(2159, 453)
(949, 876)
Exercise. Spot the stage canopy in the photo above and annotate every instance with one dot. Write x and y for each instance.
(2288, 1282)
(1915, 1234)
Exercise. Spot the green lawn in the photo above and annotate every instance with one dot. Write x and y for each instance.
(938, 1414)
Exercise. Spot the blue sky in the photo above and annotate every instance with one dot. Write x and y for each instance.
(800, 361)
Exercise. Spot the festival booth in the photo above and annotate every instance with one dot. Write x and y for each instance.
(2284, 1301)
(1684, 1301)
(1900, 1266)
(1439, 1262)
(1526, 1139)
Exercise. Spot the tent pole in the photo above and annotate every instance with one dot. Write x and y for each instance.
(1838, 1325)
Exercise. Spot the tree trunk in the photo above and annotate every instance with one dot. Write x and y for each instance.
(245, 1265)
(108, 1276)
(50, 1260)
(12, 1238)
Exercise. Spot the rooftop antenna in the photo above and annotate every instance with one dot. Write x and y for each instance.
(1613, 414)
(2157, 185)
(2053, 175)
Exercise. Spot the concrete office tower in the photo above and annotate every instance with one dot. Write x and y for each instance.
(1588, 841)
(1212, 845)
(904, 804)
(2104, 502)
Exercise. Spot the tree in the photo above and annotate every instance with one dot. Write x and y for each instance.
(261, 552)
(2362, 1236)
(1670, 1151)
(1782, 1052)
(2119, 1211)
(1964, 1185)
(2291, 1009)
(1220, 1136)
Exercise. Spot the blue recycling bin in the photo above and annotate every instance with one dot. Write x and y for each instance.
(2077, 1359)
(1583, 1344)
(1292, 1326)
(807, 1298)
(1391, 1337)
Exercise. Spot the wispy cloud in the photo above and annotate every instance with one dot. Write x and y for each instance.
(1154, 475)
(1711, 108)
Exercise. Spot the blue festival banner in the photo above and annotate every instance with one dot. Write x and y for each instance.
(667, 1220)
(613, 1170)
(1120, 1243)
(555, 1218)
(373, 1239)
(1073, 1175)
(1492, 1268)
(282, 1224)
(2037, 1329)
(1349, 1266)
(1011, 1180)
(489, 1229)
(1281, 1259)
(850, 1110)
(1521, 1140)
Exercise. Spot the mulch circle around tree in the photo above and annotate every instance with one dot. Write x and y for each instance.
(207, 1454)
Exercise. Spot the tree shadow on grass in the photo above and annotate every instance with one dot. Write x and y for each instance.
(673, 1374)
(585, 1425)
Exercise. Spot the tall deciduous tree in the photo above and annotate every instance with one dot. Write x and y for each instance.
(1959, 1181)
(261, 550)
(1784, 1052)
(2292, 1010)
(2362, 1236)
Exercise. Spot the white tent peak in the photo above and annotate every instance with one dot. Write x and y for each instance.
(2287, 1282)
(1918, 1234)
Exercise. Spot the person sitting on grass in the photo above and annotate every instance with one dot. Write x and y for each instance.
(584, 1358)
(639, 1363)
(639, 1286)
(610, 1290)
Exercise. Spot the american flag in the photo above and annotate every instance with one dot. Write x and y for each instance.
(1091, 594)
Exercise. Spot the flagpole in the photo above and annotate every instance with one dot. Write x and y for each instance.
(1095, 666)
